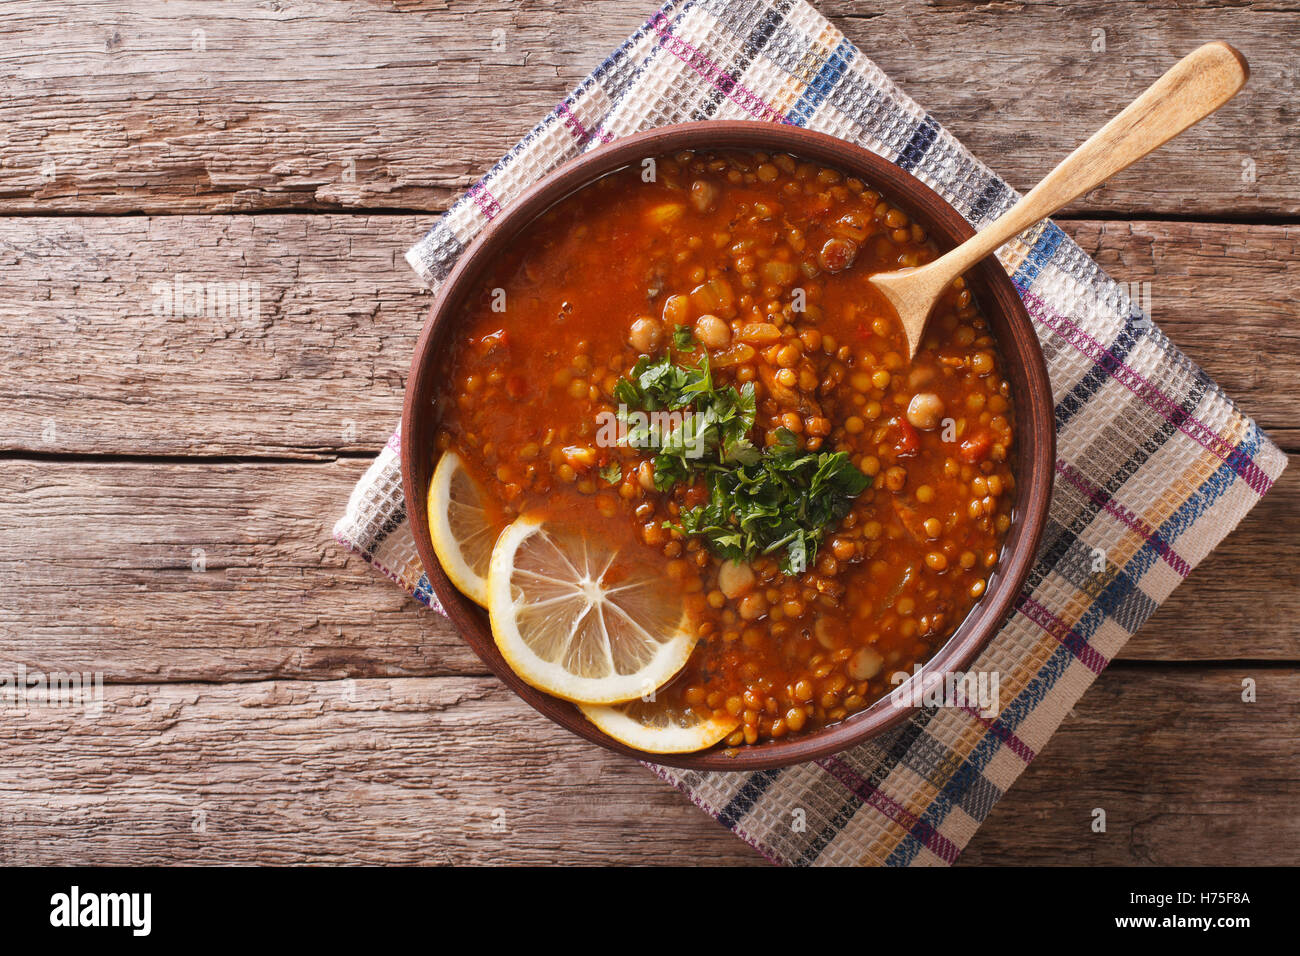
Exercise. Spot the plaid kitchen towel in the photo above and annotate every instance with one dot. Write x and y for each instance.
(1155, 463)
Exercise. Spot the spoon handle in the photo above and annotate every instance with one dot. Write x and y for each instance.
(1194, 87)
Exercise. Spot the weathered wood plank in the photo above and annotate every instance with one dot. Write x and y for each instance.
(97, 573)
(86, 366)
(420, 771)
(310, 356)
(1225, 294)
(394, 771)
(197, 107)
(1242, 602)
(1187, 773)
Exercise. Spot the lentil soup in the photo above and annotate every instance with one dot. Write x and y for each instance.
(742, 276)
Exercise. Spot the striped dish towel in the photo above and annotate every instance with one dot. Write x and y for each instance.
(1155, 463)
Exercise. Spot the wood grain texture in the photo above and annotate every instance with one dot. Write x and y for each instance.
(97, 573)
(315, 358)
(443, 770)
(421, 770)
(123, 107)
(1187, 773)
(97, 568)
(1226, 295)
(321, 367)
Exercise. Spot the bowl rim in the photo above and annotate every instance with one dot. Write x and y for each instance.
(1034, 449)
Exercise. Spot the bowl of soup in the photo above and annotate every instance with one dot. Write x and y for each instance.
(673, 473)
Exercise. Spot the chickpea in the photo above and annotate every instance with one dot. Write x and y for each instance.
(704, 195)
(646, 335)
(712, 331)
(895, 478)
(925, 411)
(865, 663)
(735, 579)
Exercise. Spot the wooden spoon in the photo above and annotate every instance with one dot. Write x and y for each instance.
(1194, 88)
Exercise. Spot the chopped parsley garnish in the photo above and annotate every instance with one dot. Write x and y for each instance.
(714, 431)
(760, 502)
(784, 501)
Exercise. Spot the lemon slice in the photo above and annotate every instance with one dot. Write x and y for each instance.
(658, 728)
(459, 526)
(574, 621)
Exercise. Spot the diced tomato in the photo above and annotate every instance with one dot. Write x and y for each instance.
(976, 448)
(909, 443)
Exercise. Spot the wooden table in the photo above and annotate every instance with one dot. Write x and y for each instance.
(168, 485)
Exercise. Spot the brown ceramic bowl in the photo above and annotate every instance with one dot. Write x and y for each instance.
(1034, 449)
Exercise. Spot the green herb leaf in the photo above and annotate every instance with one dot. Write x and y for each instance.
(612, 473)
(760, 502)
(683, 339)
(783, 502)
